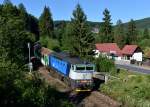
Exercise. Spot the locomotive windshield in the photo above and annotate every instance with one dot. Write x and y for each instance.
(80, 68)
(84, 67)
(89, 68)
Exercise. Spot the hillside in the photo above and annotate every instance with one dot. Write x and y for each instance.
(142, 23)
(57, 23)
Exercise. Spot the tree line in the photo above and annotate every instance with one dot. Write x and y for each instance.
(76, 36)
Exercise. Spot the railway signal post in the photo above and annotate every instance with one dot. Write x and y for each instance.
(30, 63)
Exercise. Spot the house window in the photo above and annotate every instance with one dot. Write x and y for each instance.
(128, 57)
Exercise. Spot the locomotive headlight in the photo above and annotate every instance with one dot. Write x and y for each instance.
(84, 81)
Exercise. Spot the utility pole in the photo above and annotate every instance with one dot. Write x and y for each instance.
(30, 63)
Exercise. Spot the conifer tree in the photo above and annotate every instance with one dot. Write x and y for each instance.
(5, 2)
(13, 34)
(46, 25)
(119, 34)
(82, 42)
(9, 10)
(23, 14)
(31, 23)
(1, 9)
(22, 8)
(131, 33)
(146, 34)
(105, 32)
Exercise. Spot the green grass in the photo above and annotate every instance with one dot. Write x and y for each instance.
(132, 89)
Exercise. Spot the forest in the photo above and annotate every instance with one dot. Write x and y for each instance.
(18, 88)
(18, 27)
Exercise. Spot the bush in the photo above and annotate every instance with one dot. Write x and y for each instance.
(44, 40)
(49, 43)
(18, 88)
(104, 64)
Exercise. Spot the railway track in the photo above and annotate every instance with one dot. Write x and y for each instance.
(93, 99)
(82, 99)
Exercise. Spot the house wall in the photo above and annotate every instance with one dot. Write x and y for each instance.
(126, 58)
(106, 55)
(97, 53)
(118, 58)
(137, 56)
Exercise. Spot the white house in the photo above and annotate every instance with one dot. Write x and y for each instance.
(132, 52)
(110, 50)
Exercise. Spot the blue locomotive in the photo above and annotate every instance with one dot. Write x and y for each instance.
(75, 72)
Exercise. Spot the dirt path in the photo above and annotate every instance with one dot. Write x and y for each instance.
(92, 99)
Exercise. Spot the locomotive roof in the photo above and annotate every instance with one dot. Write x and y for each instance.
(45, 51)
(71, 59)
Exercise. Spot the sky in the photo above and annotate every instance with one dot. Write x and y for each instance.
(62, 9)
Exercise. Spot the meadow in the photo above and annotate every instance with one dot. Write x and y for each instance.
(131, 89)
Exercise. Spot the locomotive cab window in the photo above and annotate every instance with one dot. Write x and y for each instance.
(89, 68)
(80, 68)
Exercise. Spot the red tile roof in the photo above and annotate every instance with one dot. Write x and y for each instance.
(109, 48)
(129, 49)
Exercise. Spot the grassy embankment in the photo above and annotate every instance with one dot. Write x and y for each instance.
(132, 89)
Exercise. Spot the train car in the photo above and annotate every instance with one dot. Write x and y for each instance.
(77, 73)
